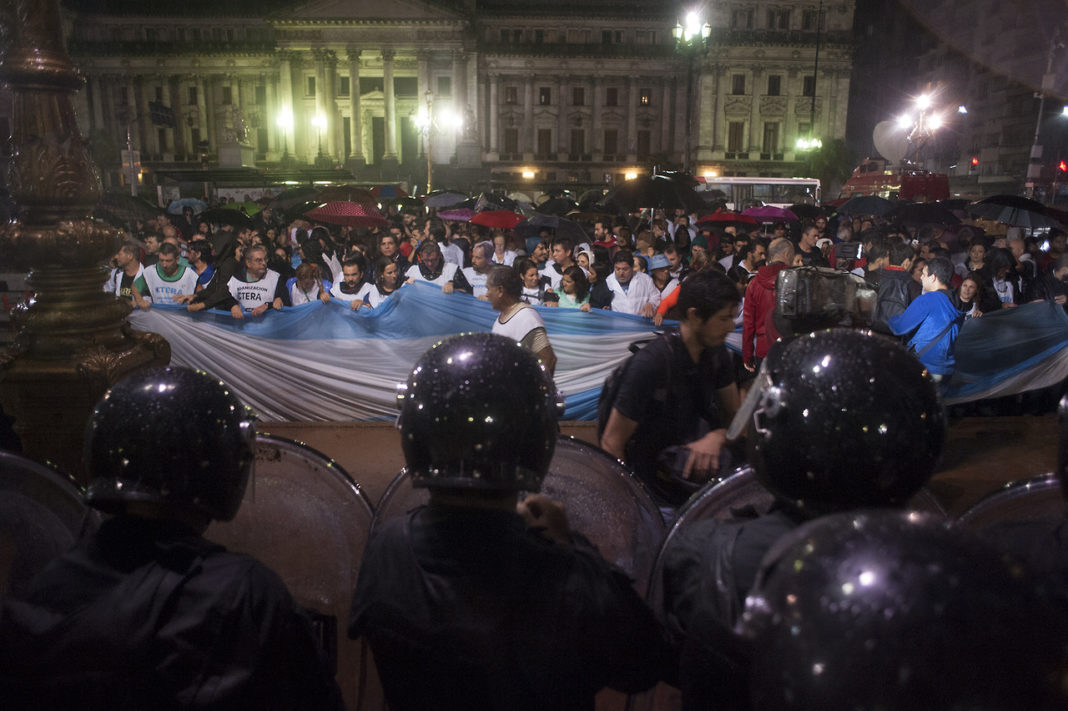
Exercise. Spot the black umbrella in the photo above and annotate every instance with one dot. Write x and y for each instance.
(557, 206)
(444, 198)
(1013, 210)
(865, 205)
(806, 212)
(922, 213)
(590, 198)
(222, 216)
(655, 192)
(560, 226)
(287, 199)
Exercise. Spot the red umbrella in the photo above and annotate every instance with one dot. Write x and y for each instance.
(726, 218)
(500, 219)
(348, 213)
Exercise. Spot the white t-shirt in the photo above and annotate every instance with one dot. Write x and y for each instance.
(507, 260)
(298, 296)
(453, 254)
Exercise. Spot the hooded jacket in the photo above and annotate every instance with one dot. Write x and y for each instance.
(757, 310)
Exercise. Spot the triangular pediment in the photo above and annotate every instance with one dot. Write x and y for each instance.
(357, 10)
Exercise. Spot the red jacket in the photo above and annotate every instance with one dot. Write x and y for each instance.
(756, 314)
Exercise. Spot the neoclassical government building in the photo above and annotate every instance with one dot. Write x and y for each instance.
(497, 92)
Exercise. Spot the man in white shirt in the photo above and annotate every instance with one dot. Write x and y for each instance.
(562, 258)
(433, 268)
(351, 287)
(481, 262)
(518, 320)
(634, 292)
(261, 288)
(165, 280)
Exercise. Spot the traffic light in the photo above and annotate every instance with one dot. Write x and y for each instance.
(1063, 166)
(975, 161)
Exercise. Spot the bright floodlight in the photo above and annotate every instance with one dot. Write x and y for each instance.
(962, 109)
(451, 119)
(285, 119)
(319, 121)
(923, 102)
(692, 26)
(904, 121)
(935, 122)
(1064, 111)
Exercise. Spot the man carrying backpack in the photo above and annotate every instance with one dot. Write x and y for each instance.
(674, 398)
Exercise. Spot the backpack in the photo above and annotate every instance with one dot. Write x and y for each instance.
(610, 389)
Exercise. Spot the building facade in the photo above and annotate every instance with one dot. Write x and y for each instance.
(497, 92)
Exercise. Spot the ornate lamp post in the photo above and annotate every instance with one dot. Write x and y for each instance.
(445, 121)
(73, 339)
(690, 38)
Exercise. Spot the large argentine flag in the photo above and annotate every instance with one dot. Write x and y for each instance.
(323, 362)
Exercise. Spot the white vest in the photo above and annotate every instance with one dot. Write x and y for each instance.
(163, 291)
(252, 294)
(114, 282)
(522, 322)
(448, 271)
(362, 294)
(476, 280)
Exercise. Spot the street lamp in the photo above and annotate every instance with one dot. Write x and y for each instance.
(446, 120)
(922, 127)
(285, 122)
(690, 35)
(319, 121)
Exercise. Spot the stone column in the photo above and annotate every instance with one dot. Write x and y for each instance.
(149, 138)
(391, 107)
(96, 93)
(333, 116)
(459, 90)
(596, 145)
(356, 159)
(494, 113)
(269, 120)
(169, 149)
(527, 144)
(720, 122)
(563, 137)
(756, 129)
(665, 116)
(632, 118)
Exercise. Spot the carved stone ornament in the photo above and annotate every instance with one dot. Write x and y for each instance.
(73, 340)
(803, 106)
(738, 105)
(773, 105)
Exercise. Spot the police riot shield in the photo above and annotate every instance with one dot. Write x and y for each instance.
(305, 518)
(604, 502)
(1027, 500)
(41, 516)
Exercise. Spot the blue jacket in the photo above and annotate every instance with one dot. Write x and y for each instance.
(927, 315)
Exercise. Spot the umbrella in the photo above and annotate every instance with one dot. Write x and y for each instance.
(770, 213)
(249, 208)
(223, 216)
(806, 212)
(587, 216)
(557, 206)
(443, 198)
(520, 197)
(865, 205)
(656, 192)
(344, 212)
(723, 219)
(485, 202)
(125, 208)
(561, 227)
(388, 192)
(500, 219)
(1013, 210)
(922, 213)
(457, 214)
(590, 198)
(349, 193)
(176, 206)
(288, 199)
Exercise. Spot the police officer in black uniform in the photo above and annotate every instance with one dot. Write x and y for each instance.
(475, 603)
(146, 613)
(893, 610)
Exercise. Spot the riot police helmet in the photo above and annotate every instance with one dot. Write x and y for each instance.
(478, 412)
(169, 441)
